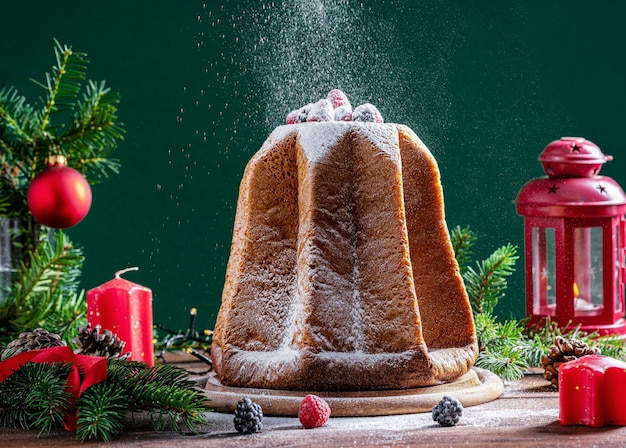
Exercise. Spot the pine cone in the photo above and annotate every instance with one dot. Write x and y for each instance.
(31, 340)
(98, 342)
(563, 350)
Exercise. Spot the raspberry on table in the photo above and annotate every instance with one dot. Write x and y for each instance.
(313, 411)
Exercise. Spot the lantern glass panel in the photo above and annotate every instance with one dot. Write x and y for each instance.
(618, 266)
(588, 278)
(544, 271)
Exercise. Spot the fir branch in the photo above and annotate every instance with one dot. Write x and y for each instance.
(164, 391)
(68, 316)
(85, 130)
(610, 345)
(486, 285)
(45, 291)
(507, 362)
(542, 337)
(462, 240)
(36, 396)
(101, 413)
(16, 119)
(50, 266)
(63, 85)
(502, 347)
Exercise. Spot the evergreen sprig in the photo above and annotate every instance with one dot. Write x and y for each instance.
(45, 293)
(487, 283)
(508, 348)
(102, 413)
(36, 397)
(77, 118)
(165, 392)
(463, 240)
(83, 128)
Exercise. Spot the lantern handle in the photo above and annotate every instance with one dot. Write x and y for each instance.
(123, 271)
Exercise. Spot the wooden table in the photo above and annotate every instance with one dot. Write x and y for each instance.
(526, 415)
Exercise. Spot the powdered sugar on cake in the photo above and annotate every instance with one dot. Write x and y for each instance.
(339, 221)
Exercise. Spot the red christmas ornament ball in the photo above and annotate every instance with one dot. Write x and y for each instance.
(59, 197)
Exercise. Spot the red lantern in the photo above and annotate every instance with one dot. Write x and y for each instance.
(59, 196)
(574, 240)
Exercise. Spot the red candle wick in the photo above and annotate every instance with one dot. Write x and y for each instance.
(123, 271)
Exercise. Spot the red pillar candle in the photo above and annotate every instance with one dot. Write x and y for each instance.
(125, 308)
(592, 391)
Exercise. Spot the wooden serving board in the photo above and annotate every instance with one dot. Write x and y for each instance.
(475, 387)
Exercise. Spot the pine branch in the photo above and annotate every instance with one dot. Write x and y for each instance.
(486, 285)
(16, 119)
(507, 362)
(63, 85)
(165, 392)
(462, 242)
(502, 347)
(542, 337)
(102, 412)
(509, 348)
(45, 291)
(35, 396)
(85, 129)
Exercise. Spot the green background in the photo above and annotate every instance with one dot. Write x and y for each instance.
(485, 84)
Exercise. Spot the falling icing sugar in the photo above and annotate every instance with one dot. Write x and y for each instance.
(300, 50)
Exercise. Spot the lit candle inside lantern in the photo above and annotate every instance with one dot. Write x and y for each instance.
(580, 303)
(592, 390)
(125, 308)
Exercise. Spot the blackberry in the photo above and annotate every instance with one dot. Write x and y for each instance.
(448, 411)
(248, 417)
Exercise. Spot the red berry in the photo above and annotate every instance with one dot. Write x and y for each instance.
(321, 111)
(343, 113)
(367, 112)
(313, 411)
(292, 117)
(338, 98)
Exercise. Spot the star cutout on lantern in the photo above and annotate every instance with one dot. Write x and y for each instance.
(601, 188)
(552, 189)
(575, 148)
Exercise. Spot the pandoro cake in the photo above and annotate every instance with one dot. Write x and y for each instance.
(341, 273)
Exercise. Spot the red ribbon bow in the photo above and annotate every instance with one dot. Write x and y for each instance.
(93, 369)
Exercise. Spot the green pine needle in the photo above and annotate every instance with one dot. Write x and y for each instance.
(74, 117)
(102, 413)
(45, 293)
(509, 348)
(36, 396)
(463, 240)
(486, 284)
